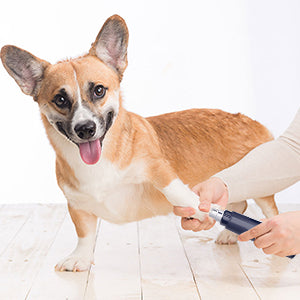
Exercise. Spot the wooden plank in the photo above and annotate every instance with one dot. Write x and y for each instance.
(12, 219)
(217, 273)
(162, 270)
(272, 277)
(165, 271)
(21, 260)
(50, 284)
(116, 273)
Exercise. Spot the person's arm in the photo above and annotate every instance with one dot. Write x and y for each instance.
(264, 171)
(267, 169)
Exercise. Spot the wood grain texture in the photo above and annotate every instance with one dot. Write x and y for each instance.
(151, 259)
(116, 273)
(59, 285)
(165, 271)
(21, 260)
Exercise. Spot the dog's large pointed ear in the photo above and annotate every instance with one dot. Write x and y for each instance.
(26, 69)
(111, 44)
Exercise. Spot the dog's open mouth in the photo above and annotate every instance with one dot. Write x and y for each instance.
(90, 152)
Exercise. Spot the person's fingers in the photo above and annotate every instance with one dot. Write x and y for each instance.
(209, 224)
(211, 191)
(199, 227)
(205, 201)
(185, 224)
(196, 189)
(223, 200)
(189, 224)
(264, 241)
(195, 225)
(206, 198)
(255, 232)
(206, 224)
(282, 253)
(184, 211)
(272, 249)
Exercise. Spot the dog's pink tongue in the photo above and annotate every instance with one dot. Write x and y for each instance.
(90, 152)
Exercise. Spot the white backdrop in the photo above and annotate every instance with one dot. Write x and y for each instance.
(240, 56)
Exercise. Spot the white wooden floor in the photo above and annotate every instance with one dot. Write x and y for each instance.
(153, 259)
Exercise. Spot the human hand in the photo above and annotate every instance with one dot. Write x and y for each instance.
(210, 191)
(278, 235)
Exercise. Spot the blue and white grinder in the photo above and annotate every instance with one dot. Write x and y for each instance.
(234, 221)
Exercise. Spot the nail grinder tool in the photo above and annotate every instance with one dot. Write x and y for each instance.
(234, 221)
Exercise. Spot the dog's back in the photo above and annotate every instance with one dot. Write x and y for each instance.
(200, 142)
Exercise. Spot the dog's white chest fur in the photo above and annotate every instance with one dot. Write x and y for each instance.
(106, 191)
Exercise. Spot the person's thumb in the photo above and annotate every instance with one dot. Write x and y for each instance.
(204, 204)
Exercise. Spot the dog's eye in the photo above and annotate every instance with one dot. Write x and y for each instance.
(99, 91)
(61, 101)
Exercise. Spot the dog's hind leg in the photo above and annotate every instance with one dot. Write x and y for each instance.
(267, 205)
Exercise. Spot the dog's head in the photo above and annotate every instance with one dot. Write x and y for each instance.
(79, 97)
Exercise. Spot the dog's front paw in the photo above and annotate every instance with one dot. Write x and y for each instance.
(226, 238)
(74, 263)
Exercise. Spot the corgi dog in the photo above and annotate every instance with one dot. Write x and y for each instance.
(114, 164)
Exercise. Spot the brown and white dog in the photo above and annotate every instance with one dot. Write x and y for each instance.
(114, 164)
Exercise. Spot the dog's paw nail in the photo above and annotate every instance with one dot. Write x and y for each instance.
(226, 238)
(74, 263)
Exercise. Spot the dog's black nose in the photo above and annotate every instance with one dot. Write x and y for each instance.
(85, 130)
